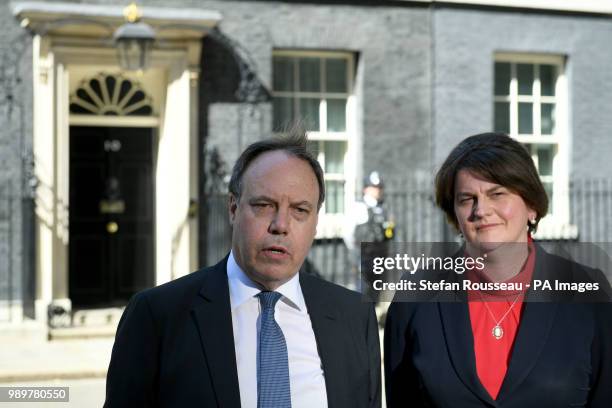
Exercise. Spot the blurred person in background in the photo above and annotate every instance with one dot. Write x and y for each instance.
(368, 221)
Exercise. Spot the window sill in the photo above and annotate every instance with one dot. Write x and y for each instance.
(555, 230)
(330, 226)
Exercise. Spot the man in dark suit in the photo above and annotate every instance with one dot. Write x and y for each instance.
(251, 331)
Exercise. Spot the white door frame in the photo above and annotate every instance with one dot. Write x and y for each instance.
(57, 58)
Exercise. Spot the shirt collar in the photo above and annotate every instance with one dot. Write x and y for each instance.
(242, 288)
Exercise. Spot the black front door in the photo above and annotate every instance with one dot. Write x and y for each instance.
(111, 246)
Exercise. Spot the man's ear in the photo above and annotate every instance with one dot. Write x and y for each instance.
(232, 208)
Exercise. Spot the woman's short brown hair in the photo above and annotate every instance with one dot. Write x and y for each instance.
(499, 159)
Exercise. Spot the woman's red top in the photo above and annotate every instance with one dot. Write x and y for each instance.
(493, 355)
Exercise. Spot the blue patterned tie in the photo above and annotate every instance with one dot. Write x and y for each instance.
(273, 366)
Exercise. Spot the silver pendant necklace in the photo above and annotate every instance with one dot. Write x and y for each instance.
(497, 330)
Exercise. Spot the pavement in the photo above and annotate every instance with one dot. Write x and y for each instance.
(31, 359)
(78, 359)
(82, 393)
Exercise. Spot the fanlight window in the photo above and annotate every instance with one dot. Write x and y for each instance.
(110, 95)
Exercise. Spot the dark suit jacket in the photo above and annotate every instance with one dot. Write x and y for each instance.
(175, 347)
(562, 354)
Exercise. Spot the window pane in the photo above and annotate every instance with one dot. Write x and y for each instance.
(545, 159)
(309, 113)
(548, 118)
(283, 73)
(334, 156)
(525, 118)
(336, 115)
(502, 117)
(283, 113)
(334, 196)
(310, 74)
(524, 73)
(547, 79)
(336, 75)
(502, 78)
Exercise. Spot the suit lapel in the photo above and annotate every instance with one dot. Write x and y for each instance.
(457, 328)
(328, 333)
(460, 344)
(212, 314)
(532, 335)
(534, 329)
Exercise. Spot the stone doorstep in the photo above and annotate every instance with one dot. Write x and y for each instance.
(87, 324)
(82, 332)
(97, 317)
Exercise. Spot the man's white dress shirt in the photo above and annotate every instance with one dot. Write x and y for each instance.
(306, 377)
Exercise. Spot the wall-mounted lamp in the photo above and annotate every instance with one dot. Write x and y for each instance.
(134, 40)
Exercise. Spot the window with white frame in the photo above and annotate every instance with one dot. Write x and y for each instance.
(314, 90)
(530, 104)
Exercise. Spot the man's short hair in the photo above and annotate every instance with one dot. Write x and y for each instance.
(497, 158)
(293, 143)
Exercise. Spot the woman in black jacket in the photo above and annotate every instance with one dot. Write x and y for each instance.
(513, 348)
